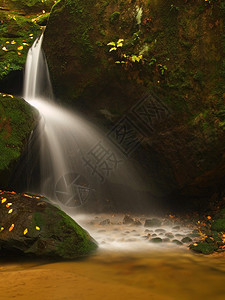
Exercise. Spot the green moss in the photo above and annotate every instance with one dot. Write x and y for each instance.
(218, 225)
(17, 120)
(204, 247)
(114, 17)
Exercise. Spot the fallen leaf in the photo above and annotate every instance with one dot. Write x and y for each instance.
(38, 228)
(4, 199)
(20, 47)
(2, 228)
(25, 231)
(11, 227)
(10, 211)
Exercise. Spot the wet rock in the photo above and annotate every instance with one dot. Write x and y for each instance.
(177, 227)
(177, 242)
(160, 230)
(179, 235)
(105, 222)
(128, 220)
(137, 222)
(45, 231)
(152, 222)
(186, 239)
(156, 240)
(169, 235)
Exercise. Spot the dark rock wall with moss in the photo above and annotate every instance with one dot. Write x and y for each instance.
(17, 120)
(19, 26)
(174, 48)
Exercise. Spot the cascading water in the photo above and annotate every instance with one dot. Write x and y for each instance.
(66, 143)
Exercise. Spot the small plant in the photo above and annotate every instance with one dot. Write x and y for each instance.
(116, 45)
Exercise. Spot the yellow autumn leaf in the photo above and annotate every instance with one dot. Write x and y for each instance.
(19, 53)
(10, 211)
(2, 228)
(20, 47)
(4, 199)
(13, 42)
(31, 34)
(25, 231)
(8, 205)
(38, 228)
(7, 42)
(4, 49)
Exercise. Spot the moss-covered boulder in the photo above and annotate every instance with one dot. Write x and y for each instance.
(218, 225)
(17, 120)
(30, 225)
(204, 247)
(107, 53)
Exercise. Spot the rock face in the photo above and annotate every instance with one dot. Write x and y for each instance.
(32, 226)
(17, 120)
(104, 54)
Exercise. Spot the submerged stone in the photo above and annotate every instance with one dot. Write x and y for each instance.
(32, 226)
(186, 239)
(179, 243)
(156, 240)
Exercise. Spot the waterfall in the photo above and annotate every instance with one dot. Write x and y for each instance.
(37, 80)
(66, 142)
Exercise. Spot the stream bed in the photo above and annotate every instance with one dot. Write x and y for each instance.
(126, 266)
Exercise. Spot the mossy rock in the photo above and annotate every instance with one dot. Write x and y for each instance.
(218, 225)
(17, 120)
(20, 25)
(32, 226)
(204, 247)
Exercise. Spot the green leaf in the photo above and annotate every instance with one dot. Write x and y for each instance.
(117, 62)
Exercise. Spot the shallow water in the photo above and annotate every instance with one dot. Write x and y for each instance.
(118, 272)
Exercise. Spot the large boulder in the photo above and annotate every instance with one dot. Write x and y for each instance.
(104, 54)
(30, 225)
(17, 120)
